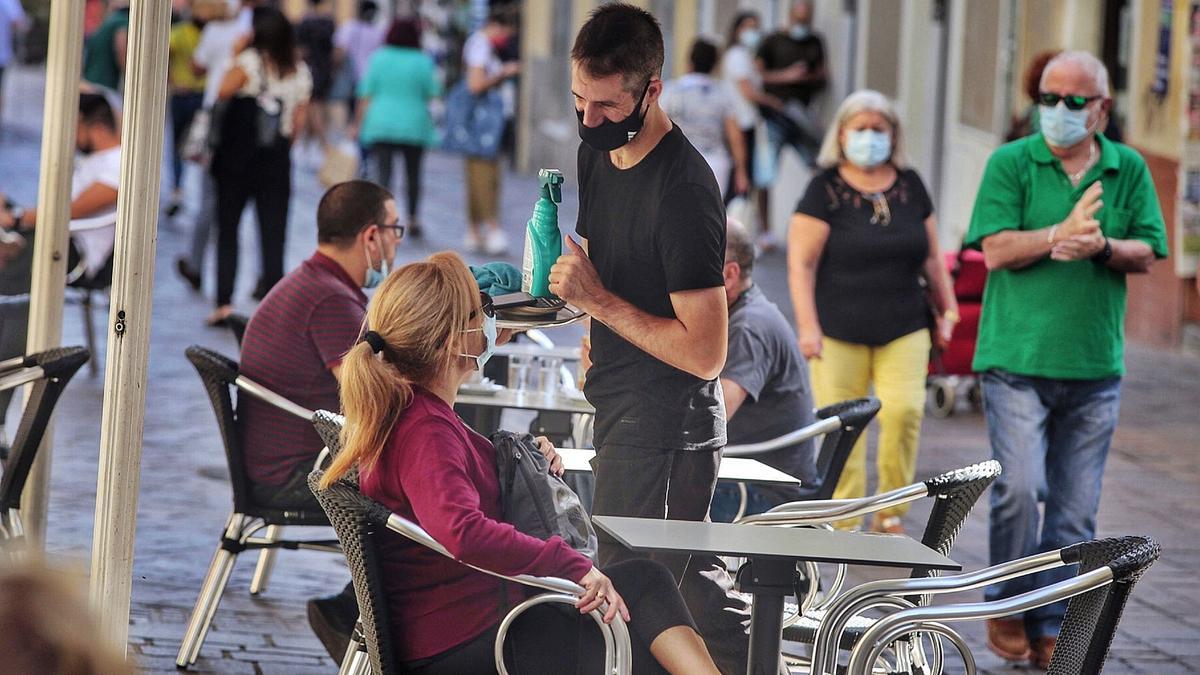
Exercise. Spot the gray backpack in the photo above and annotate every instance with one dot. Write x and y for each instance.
(536, 502)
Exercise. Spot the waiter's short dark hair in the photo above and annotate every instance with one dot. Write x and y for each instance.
(347, 208)
(620, 39)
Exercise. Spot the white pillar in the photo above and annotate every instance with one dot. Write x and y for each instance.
(61, 108)
(129, 317)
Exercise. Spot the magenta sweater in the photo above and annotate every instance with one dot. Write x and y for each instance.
(441, 475)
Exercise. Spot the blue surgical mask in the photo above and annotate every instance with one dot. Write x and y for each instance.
(1062, 128)
(750, 38)
(867, 148)
(489, 346)
(375, 276)
(799, 31)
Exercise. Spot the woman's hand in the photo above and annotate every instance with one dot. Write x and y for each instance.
(810, 344)
(598, 589)
(548, 451)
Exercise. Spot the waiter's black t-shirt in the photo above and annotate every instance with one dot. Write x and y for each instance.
(652, 230)
(868, 287)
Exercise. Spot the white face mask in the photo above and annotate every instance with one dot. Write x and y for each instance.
(1061, 127)
(867, 148)
(750, 38)
(489, 337)
(799, 31)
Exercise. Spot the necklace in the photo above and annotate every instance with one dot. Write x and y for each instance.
(1078, 175)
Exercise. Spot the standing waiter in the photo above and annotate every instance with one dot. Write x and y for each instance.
(649, 273)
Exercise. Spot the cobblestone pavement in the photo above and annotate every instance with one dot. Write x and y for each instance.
(1151, 484)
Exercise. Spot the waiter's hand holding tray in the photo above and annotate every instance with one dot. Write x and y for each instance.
(522, 311)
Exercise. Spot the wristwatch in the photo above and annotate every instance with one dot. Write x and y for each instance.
(1105, 254)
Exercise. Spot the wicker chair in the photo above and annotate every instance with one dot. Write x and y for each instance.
(47, 373)
(954, 493)
(841, 423)
(220, 377)
(357, 519)
(1108, 570)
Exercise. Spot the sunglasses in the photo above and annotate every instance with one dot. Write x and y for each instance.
(1072, 101)
(486, 304)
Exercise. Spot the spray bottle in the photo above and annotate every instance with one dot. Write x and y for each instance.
(543, 241)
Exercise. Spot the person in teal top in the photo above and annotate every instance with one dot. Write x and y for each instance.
(104, 50)
(393, 110)
(1062, 217)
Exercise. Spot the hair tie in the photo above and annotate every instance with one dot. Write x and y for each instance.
(375, 340)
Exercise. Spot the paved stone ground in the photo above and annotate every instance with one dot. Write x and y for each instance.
(1151, 484)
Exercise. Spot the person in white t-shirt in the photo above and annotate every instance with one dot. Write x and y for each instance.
(485, 71)
(703, 107)
(94, 185)
(739, 69)
(12, 20)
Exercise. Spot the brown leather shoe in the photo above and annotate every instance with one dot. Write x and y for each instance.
(1006, 638)
(1043, 651)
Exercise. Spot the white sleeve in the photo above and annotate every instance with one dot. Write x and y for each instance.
(251, 66)
(737, 65)
(342, 37)
(203, 56)
(108, 170)
(477, 53)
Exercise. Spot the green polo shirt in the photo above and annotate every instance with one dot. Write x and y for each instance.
(1062, 320)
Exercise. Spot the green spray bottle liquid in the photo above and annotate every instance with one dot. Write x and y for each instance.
(543, 241)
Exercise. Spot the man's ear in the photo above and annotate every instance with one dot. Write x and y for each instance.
(654, 90)
(732, 271)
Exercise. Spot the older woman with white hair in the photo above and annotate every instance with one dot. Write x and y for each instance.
(860, 243)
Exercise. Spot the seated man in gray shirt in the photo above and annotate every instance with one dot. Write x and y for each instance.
(765, 382)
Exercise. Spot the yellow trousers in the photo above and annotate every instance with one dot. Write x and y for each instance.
(897, 372)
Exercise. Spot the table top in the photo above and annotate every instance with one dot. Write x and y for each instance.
(760, 541)
(527, 399)
(743, 470)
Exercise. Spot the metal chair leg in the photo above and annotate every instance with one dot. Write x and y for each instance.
(210, 595)
(89, 331)
(266, 561)
(356, 660)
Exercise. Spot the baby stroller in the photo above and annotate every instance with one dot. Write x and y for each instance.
(950, 371)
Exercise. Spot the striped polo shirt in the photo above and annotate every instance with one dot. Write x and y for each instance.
(304, 326)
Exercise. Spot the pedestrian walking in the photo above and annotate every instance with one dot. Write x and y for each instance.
(1062, 216)
(267, 88)
(485, 72)
(393, 111)
(314, 35)
(354, 43)
(186, 86)
(739, 70)
(861, 244)
(650, 274)
(704, 107)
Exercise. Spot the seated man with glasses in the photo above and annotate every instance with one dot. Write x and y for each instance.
(294, 345)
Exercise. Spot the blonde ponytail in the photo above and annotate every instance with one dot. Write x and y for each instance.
(419, 312)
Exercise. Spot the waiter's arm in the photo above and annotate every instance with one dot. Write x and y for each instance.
(694, 341)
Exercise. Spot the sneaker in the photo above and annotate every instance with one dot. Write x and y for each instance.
(332, 620)
(1043, 651)
(496, 242)
(1006, 638)
(472, 243)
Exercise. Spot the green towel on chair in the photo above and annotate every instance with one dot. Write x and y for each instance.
(497, 278)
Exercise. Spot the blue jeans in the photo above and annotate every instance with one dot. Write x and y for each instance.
(1051, 437)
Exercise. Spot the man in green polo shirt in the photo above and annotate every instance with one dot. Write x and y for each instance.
(1062, 216)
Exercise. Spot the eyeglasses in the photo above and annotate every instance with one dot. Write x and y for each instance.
(486, 304)
(1072, 101)
(398, 229)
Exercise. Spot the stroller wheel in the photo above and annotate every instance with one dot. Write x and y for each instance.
(940, 398)
(975, 396)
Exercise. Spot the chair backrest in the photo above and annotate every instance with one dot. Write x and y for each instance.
(237, 323)
(57, 366)
(954, 495)
(1091, 619)
(329, 428)
(219, 375)
(357, 519)
(835, 449)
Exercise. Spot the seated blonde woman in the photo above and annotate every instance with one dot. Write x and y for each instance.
(430, 329)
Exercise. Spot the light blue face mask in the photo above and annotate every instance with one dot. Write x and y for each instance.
(750, 38)
(867, 148)
(489, 338)
(1062, 128)
(375, 276)
(799, 31)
